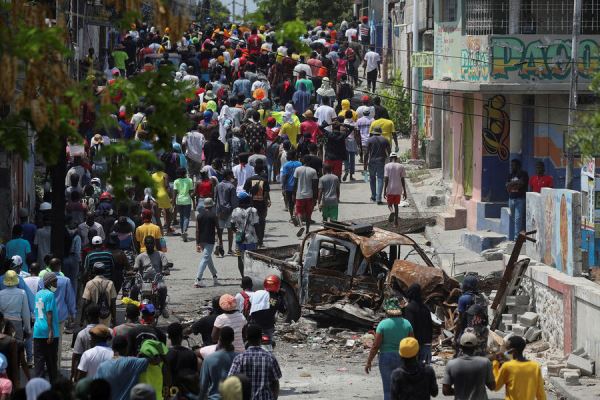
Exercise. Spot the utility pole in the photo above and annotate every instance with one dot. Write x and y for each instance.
(414, 137)
(233, 11)
(385, 40)
(573, 93)
(244, 10)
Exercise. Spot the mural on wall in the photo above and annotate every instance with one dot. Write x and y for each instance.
(532, 57)
(474, 61)
(496, 132)
(445, 62)
(555, 214)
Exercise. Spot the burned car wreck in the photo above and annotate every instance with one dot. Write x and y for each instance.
(346, 270)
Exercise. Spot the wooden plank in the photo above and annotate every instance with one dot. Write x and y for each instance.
(510, 289)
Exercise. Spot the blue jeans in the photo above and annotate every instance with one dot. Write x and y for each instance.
(206, 261)
(425, 354)
(388, 362)
(184, 216)
(376, 172)
(350, 163)
(516, 223)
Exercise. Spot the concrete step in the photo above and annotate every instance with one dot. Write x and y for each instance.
(479, 241)
(453, 220)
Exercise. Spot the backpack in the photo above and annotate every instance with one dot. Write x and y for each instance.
(247, 304)
(103, 303)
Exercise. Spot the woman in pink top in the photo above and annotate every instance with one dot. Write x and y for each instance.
(341, 66)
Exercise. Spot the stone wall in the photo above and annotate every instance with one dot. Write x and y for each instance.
(548, 303)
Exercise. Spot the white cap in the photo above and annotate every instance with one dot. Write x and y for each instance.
(45, 206)
(95, 180)
(393, 154)
(96, 240)
(16, 261)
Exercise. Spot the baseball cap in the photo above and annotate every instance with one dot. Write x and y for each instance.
(45, 206)
(101, 331)
(365, 98)
(393, 154)
(468, 339)
(148, 308)
(96, 240)
(16, 261)
(95, 180)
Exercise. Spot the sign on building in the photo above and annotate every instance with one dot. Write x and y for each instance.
(423, 59)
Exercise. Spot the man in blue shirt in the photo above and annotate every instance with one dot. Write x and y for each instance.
(64, 297)
(18, 246)
(288, 181)
(45, 330)
(215, 367)
(28, 228)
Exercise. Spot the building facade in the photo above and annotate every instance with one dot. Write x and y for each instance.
(501, 81)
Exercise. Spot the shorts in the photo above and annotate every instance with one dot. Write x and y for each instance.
(330, 212)
(336, 167)
(225, 223)
(393, 199)
(304, 207)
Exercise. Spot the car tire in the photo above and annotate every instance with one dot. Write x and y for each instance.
(291, 303)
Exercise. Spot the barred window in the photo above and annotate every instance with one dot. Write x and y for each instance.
(486, 17)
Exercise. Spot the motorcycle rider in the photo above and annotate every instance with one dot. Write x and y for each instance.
(150, 265)
(266, 303)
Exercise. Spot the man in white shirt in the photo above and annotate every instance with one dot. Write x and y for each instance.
(371, 68)
(242, 172)
(325, 113)
(193, 143)
(100, 352)
(351, 33)
(363, 124)
(302, 66)
(365, 106)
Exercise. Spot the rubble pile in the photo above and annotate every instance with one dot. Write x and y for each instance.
(519, 319)
(571, 368)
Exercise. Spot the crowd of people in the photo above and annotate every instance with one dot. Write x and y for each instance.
(264, 113)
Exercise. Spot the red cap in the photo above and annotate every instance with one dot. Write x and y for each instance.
(147, 214)
(365, 99)
(122, 114)
(271, 120)
(365, 18)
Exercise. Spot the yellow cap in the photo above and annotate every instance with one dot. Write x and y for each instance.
(409, 347)
(11, 278)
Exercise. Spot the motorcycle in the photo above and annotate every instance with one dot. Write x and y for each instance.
(148, 284)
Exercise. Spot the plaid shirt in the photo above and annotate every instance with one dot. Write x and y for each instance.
(261, 368)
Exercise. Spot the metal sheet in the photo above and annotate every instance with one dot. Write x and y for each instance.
(373, 243)
(434, 281)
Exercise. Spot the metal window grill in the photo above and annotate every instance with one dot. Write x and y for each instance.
(546, 17)
(486, 17)
(590, 17)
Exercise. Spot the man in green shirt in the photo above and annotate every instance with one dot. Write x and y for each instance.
(120, 58)
(184, 188)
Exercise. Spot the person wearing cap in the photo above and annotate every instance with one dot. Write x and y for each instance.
(19, 247)
(245, 222)
(98, 254)
(390, 331)
(309, 128)
(363, 125)
(90, 224)
(233, 318)
(145, 330)
(46, 333)
(468, 375)
(378, 149)
(100, 286)
(365, 106)
(206, 228)
(394, 186)
(412, 380)
(522, 377)
(151, 264)
(15, 306)
(97, 354)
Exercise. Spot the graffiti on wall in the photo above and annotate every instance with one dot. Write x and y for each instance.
(496, 131)
(474, 61)
(555, 214)
(520, 58)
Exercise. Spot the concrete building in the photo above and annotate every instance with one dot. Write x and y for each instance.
(501, 80)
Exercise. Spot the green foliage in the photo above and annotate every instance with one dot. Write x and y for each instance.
(292, 31)
(397, 101)
(334, 11)
(586, 134)
(275, 11)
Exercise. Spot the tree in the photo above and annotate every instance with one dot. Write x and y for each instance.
(278, 10)
(38, 92)
(334, 11)
(396, 100)
(586, 134)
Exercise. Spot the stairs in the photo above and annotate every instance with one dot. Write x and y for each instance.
(452, 219)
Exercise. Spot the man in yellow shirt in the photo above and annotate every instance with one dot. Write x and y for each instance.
(147, 229)
(387, 129)
(522, 378)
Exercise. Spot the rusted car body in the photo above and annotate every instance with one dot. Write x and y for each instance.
(344, 273)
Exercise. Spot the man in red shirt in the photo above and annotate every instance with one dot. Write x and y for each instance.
(254, 44)
(310, 126)
(539, 180)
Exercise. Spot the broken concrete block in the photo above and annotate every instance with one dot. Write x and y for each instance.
(578, 351)
(539, 346)
(563, 371)
(533, 334)
(509, 318)
(586, 366)
(433, 201)
(521, 300)
(519, 330)
(492, 254)
(554, 369)
(571, 379)
(528, 319)
(517, 309)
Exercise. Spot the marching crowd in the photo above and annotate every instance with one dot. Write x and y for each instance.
(264, 113)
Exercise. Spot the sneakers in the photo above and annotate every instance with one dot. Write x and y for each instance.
(216, 281)
(300, 232)
(345, 176)
(165, 313)
(198, 284)
(184, 236)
